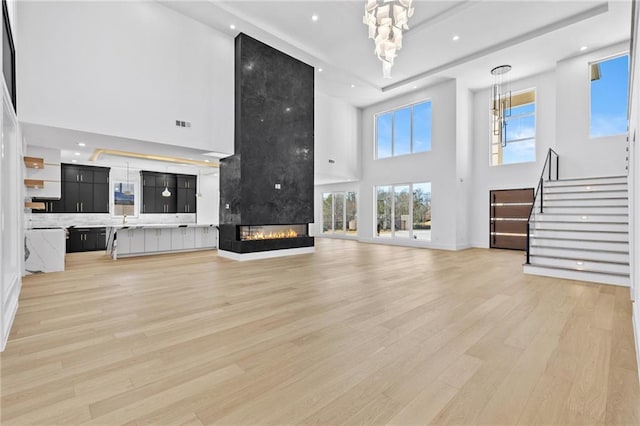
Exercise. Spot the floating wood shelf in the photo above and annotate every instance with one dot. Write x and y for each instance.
(34, 205)
(34, 162)
(34, 183)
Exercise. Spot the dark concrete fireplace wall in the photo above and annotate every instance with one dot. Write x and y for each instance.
(269, 180)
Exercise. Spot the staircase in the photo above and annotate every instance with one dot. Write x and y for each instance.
(583, 232)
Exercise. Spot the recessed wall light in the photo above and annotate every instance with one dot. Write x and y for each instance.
(76, 153)
(455, 38)
(314, 17)
(233, 27)
(583, 48)
(82, 144)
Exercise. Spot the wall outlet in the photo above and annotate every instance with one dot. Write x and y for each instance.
(182, 123)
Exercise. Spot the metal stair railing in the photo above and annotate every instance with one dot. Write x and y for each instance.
(547, 171)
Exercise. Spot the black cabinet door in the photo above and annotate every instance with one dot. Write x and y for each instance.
(149, 199)
(100, 197)
(186, 200)
(100, 238)
(70, 173)
(85, 174)
(101, 176)
(74, 242)
(85, 197)
(148, 179)
(70, 197)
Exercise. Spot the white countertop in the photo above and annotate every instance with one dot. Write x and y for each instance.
(161, 225)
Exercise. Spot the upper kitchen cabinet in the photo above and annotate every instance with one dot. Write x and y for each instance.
(186, 193)
(85, 189)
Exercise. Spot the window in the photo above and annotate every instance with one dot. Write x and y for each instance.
(404, 211)
(520, 135)
(339, 213)
(609, 87)
(406, 130)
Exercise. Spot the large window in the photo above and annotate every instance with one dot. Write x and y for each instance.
(404, 131)
(518, 144)
(609, 87)
(339, 213)
(404, 211)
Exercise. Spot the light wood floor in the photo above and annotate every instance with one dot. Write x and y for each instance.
(353, 334)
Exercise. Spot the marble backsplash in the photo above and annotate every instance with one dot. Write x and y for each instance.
(42, 220)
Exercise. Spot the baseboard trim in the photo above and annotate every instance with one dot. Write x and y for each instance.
(265, 254)
(7, 330)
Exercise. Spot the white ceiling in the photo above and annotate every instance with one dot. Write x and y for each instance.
(530, 35)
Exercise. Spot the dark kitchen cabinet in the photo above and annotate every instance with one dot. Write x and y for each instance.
(153, 185)
(50, 206)
(186, 194)
(86, 239)
(85, 189)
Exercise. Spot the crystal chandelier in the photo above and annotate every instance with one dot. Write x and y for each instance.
(500, 102)
(386, 20)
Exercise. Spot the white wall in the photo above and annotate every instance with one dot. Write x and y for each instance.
(209, 203)
(580, 155)
(437, 166)
(126, 69)
(464, 165)
(634, 180)
(509, 176)
(12, 194)
(336, 134)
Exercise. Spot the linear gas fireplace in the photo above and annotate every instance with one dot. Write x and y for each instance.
(257, 238)
(271, 232)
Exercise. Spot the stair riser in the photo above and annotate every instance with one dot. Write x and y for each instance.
(600, 218)
(571, 195)
(577, 244)
(586, 188)
(578, 226)
(593, 202)
(572, 264)
(577, 275)
(591, 181)
(580, 254)
(584, 210)
(600, 236)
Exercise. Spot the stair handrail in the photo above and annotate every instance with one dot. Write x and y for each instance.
(547, 170)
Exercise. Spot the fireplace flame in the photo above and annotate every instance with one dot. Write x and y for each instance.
(272, 235)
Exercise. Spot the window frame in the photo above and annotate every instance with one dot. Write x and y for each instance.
(598, 61)
(392, 111)
(535, 128)
(393, 237)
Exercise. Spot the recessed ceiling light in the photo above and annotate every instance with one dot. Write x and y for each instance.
(415, 87)
(206, 161)
(233, 27)
(314, 17)
(353, 85)
(583, 48)
(320, 70)
(455, 38)
(74, 161)
(82, 144)
(76, 153)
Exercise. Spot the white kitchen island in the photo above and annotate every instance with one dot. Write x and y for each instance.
(141, 240)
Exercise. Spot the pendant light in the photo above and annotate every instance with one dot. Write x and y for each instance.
(166, 193)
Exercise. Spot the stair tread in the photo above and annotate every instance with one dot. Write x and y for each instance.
(535, 237)
(590, 271)
(579, 230)
(580, 248)
(576, 259)
(588, 178)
